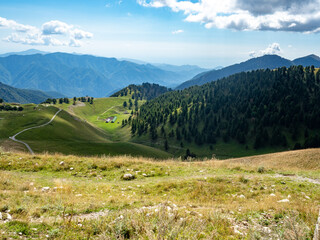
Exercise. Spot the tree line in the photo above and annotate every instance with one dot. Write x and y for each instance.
(66, 100)
(11, 108)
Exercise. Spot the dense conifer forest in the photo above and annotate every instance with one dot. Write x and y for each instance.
(262, 108)
(146, 91)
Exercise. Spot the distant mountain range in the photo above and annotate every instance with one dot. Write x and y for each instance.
(183, 70)
(80, 75)
(64, 74)
(11, 94)
(27, 52)
(264, 62)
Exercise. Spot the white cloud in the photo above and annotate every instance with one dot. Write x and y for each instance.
(75, 43)
(55, 27)
(53, 33)
(177, 31)
(80, 34)
(272, 49)
(273, 15)
(5, 23)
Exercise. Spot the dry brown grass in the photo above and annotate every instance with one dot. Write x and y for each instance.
(307, 159)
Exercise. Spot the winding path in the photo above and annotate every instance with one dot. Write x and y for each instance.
(29, 148)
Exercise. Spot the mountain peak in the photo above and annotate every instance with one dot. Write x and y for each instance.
(309, 60)
(314, 57)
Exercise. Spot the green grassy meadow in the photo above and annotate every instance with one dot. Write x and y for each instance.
(72, 134)
(71, 197)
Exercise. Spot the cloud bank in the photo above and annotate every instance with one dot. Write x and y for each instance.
(53, 33)
(273, 48)
(244, 15)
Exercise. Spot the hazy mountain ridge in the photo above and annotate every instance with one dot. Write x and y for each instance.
(78, 75)
(184, 70)
(264, 62)
(27, 52)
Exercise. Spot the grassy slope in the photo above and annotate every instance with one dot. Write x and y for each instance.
(66, 134)
(198, 200)
(103, 108)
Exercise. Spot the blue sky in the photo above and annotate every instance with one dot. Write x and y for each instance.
(165, 31)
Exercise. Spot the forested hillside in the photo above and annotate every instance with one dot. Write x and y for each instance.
(11, 94)
(146, 91)
(257, 109)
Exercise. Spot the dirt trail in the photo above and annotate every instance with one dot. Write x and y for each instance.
(298, 178)
(43, 125)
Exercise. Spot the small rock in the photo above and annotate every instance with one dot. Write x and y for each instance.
(272, 195)
(236, 231)
(242, 196)
(71, 168)
(61, 163)
(267, 230)
(0, 216)
(283, 182)
(9, 217)
(284, 201)
(144, 174)
(128, 176)
(45, 189)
